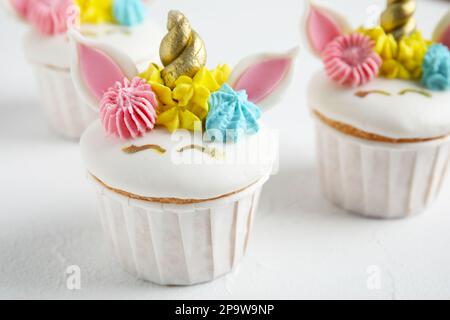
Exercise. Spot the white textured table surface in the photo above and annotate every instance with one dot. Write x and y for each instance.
(302, 246)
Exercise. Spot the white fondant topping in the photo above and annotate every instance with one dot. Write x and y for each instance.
(188, 175)
(407, 116)
(141, 43)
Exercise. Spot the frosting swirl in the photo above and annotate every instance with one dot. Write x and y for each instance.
(350, 60)
(128, 12)
(436, 68)
(95, 11)
(187, 103)
(123, 12)
(401, 59)
(231, 115)
(49, 17)
(127, 110)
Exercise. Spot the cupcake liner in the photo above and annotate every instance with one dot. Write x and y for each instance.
(173, 244)
(380, 180)
(66, 113)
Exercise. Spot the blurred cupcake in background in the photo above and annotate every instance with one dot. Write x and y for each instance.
(381, 105)
(118, 23)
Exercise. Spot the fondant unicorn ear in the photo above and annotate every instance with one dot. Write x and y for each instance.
(96, 67)
(442, 32)
(320, 26)
(265, 77)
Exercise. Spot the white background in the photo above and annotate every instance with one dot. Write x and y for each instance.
(303, 247)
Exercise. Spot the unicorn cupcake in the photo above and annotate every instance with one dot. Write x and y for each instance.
(119, 23)
(179, 154)
(381, 105)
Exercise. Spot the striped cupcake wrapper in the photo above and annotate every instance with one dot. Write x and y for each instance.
(174, 244)
(380, 180)
(66, 113)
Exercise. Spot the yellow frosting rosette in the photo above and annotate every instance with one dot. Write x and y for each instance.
(187, 103)
(401, 59)
(95, 11)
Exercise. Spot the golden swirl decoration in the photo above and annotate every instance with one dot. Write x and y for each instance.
(398, 18)
(182, 51)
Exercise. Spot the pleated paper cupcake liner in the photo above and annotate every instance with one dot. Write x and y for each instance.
(66, 113)
(380, 180)
(178, 244)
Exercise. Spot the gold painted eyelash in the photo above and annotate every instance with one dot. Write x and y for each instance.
(135, 149)
(422, 92)
(213, 153)
(363, 94)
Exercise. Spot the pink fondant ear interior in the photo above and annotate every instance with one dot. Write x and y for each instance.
(445, 37)
(321, 29)
(263, 78)
(98, 70)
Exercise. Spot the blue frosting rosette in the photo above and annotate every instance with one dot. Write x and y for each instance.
(231, 115)
(129, 12)
(436, 68)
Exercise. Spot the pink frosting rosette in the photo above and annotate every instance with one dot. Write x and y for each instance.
(350, 60)
(128, 109)
(48, 17)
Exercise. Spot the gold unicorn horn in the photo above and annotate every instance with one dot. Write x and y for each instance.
(398, 18)
(182, 51)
